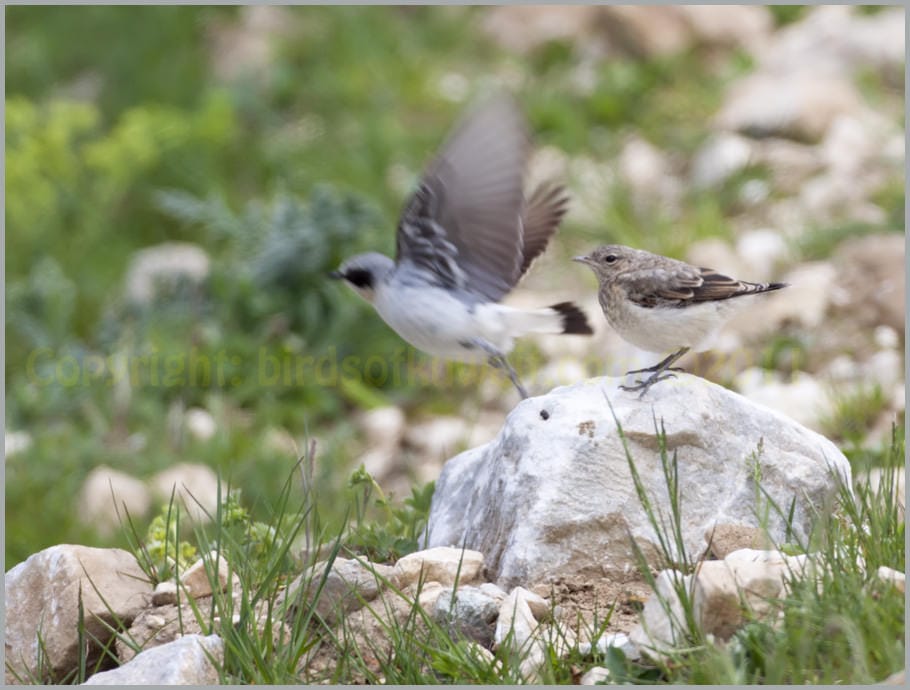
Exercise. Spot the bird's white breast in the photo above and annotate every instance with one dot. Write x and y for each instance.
(433, 320)
(667, 329)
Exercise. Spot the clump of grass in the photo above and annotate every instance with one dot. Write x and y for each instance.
(853, 413)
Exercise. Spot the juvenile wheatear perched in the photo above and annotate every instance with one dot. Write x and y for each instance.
(465, 239)
(664, 305)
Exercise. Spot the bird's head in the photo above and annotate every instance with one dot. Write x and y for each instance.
(607, 260)
(364, 272)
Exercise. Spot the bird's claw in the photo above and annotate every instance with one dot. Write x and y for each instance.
(645, 385)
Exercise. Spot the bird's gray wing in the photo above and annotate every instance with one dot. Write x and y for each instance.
(685, 285)
(462, 226)
(545, 209)
(661, 286)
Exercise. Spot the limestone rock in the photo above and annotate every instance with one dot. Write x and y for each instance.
(348, 584)
(596, 675)
(716, 599)
(200, 423)
(619, 641)
(467, 611)
(517, 626)
(383, 427)
(660, 629)
(522, 28)
(798, 104)
(871, 280)
(438, 437)
(164, 593)
(552, 495)
(107, 496)
(195, 488)
(726, 538)
(42, 596)
(185, 661)
(803, 398)
(441, 564)
(15, 442)
(198, 577)
(895, 577)
(164, 265)
(724, 154)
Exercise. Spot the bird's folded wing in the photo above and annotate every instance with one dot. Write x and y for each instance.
(462, 225)
(682, 286)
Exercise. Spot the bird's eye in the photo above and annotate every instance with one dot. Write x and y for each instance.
(610, 258)
(359, 277)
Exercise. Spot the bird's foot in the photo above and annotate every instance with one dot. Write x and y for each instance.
(644, 385)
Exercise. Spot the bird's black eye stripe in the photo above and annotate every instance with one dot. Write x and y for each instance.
(359, 277)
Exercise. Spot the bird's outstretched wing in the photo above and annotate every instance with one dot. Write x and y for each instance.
(684, 285)
(463, 224)
(545, 209)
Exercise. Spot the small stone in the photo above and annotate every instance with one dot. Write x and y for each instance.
(429, 595)
(724, 154)
(197, 580)
(762, 251)
(658, 632)
(493, 591)
(596, 675)
(441, 564)
(886, 337)
(200, 423)
(188, 660)
(726, 538)
(883, 368)
(539, 606)
(803, 398)
(895, 577)
(467, 611)
(716, 599)
(439, 438)
(348, 584)
(603, 643)
(517, 625)
(194, 486)
(108, 496)
(164, 593)
(799, 104)
(154, 621)
(15, 442)
(383, 427)
(164, 265)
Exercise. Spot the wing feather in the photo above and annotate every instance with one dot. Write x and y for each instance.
(463, 224)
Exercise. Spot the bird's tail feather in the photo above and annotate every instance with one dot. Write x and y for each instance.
(563, 318)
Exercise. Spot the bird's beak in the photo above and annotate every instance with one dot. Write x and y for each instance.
(336, 275)
(582, 259)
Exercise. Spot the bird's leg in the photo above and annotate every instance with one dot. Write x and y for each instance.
(662, 365)
(660, 373)
(498, 360)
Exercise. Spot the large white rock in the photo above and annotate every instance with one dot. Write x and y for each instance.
(43, 596)
(552, 494)
(185, 661)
